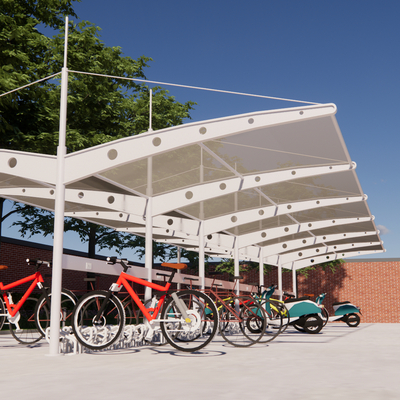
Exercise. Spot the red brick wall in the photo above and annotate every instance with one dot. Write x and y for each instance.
(372, 285)
(14, 257)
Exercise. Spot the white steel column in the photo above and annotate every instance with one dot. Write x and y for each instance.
(149, 228)
(236, 263)
(178, 256)
(202, 269)
(56, 281)
(280, 279)
(261, 267)
(294, 278)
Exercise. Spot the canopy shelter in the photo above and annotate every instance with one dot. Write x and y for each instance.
(275, 186)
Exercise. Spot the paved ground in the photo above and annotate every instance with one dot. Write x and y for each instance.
(338, 363)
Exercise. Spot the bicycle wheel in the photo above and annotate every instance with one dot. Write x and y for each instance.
(325, 316)
(130, 317)
(274, 323)
(281, 308)
(98, 332)
(298, 328)
(2, 314)
(27, 331)
(190, 335)
(245, 328)
(42, 312)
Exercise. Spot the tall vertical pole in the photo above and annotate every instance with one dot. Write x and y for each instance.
(280, 279)
(261, 267)
(149, 227)
(236, 263)
(202, 262)
(178, 256)
(151, 111)
(294, 280)
(59, 210)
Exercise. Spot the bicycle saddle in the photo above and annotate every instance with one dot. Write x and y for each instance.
(3, 267)
(174, 265)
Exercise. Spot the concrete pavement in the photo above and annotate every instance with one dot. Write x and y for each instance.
(338, 363)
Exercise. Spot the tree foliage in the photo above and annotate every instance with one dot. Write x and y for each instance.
(100, 109)
(227, 266)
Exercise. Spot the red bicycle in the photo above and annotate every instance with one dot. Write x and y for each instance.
(187, 319)
(29, 318)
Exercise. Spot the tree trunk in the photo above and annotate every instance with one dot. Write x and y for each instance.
(92, 241)
(91, 254)
(1, 217)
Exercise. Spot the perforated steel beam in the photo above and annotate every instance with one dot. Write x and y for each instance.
(206, 191)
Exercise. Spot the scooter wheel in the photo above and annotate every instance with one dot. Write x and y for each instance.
(353, 320)
(313, 324)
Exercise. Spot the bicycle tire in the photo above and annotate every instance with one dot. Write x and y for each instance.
(98, 335)
(2, 314)
(285, 314)
(192, 336)
(130, 318)
(274, 324)
(28, 331)
(245, 329)
(298, 328)
(42, 312)
(325, 316)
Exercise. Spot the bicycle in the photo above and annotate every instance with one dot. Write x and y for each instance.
(276, 309)
(99, 317)
(242, 319)
(30, 315)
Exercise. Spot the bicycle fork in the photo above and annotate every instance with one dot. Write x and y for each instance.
(181, 307)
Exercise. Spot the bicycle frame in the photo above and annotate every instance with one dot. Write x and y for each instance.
(14, 308)
(123, 280)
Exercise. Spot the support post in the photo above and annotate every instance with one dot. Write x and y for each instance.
(280, 280)
(178, 254)
(58, 247)
(149, 228)
(202, 268)
(236, 263)
(261, 267)
(294, 280)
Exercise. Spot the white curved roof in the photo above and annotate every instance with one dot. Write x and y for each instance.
(280, 182)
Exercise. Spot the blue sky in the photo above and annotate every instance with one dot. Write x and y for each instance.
(342, 52)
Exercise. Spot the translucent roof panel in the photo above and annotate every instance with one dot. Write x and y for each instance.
(267, 177)
(312, 142)
(238, 201)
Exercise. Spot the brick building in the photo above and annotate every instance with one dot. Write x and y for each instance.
(370, 284)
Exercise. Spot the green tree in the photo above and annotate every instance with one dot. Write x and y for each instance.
(99, 109)
(228, 266)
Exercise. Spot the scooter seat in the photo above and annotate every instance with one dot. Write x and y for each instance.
(340, 302)
(297, 299)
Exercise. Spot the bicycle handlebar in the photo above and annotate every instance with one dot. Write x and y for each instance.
(38, 262)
